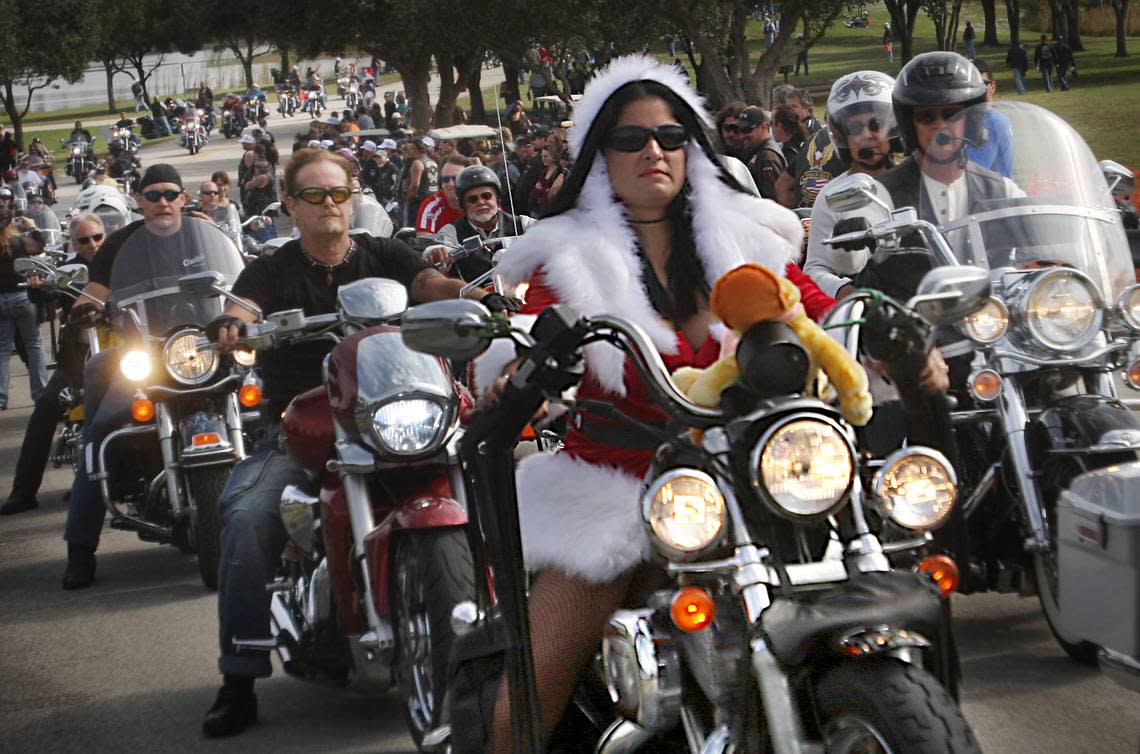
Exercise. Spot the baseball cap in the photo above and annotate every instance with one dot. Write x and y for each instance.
(753, 116)
(160, 173)
(314, 144)
(346, 153)
(388, 144)
(247, 139)
(427, 141)
(326, 143)
(368, 146)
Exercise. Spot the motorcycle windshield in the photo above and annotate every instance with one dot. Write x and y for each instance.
(1021, 189)
(368, 216)
(145, 274)
(43, 216)
(386, 368)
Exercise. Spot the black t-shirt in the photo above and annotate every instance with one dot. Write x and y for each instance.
(287, 280)
(99, 271)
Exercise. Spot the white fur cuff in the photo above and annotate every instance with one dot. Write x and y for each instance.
(580, 518)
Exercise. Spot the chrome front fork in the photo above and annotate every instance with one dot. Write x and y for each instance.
(1014, 422)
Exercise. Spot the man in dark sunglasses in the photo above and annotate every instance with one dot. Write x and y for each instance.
(763, 156)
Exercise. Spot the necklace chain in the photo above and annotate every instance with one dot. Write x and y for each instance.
(330, 268)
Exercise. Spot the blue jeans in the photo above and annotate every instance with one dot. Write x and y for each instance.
(1047, 75)
(18, 313)
(252, 540)
(971, 50)
(163, 126)
(1019, 80)
(107, 397)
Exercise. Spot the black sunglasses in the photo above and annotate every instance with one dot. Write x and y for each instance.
(84, 239)
(669, 137)
(929, 117)
(209, 193)
(314, 195)
(169, 195)
(732, 128)
(856, 127)
(474, 199)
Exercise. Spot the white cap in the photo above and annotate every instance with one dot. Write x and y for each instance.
(247, 139)
(368, 146)
(314, 144)
(428, 141)
(388, 144)
(326, 143)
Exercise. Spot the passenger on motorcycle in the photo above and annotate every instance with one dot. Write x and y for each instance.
(304, 273)
(107, 397)
(647, 220)
(86, 234)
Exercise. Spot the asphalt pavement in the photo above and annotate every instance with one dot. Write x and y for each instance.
(130, 664)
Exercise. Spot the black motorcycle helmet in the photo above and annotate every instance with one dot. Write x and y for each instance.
(935, 79)
(475, 176)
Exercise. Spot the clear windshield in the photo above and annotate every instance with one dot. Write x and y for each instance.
(43, 216)
(147, 268)
(1031, 195)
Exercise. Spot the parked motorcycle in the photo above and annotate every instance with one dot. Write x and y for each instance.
(769, 617)
(381, 556)
(1039, 416)
(167, 491)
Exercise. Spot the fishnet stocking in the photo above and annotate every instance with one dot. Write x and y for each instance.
(567, 616)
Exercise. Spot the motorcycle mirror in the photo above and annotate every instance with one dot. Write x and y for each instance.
(1121, 180)
(298, 516)
(455, 329)
(272, 209)
(371, 299)
(853, 192)
(407, 235)
(201, 284)
(74, 274)
(29, 266)
(947, 294)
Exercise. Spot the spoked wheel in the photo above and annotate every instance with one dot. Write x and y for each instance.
(885, 706)
(432, 572)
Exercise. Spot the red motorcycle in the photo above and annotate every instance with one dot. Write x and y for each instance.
(379, 556)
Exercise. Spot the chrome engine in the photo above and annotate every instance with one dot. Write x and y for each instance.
(642, 669)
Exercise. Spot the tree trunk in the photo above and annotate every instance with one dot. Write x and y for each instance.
(448, 92)
(14, 116)
(108, 67)
(904, 14)
(283, 52)
(247, 66)
(511, 78)
(1058, 20)
(990, 37)
(1073, 16)
(1120, 9)
(478, 110)
(415, 75)
(1013, 16)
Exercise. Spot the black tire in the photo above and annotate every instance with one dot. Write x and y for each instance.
(432, 571)
(883, 704)
(204, 488)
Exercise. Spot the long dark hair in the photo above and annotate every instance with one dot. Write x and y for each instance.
(686, 278)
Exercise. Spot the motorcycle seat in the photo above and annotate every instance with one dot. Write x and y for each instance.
(811, 624)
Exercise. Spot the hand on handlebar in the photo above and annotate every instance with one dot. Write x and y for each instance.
(438, 256)
(935, 376)
(496, 302)
(225, 331)
(83, 315)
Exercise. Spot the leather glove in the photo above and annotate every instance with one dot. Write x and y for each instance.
(499, 303)
(225, 320)
(83, 315)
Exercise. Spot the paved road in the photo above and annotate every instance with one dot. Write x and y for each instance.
(129, 665)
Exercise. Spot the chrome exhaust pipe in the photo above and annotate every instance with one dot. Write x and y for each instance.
(622, 736)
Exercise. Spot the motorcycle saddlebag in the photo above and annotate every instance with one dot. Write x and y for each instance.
(1098, 559)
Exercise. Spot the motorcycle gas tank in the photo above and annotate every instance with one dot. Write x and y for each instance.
(1084, 424)
(372, 366)
(307, 429)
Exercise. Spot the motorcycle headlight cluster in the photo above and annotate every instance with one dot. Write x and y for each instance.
(685, 512)
(1128, 306)
(988, 324)
(916, 488)
(804, 467)
(185, 362)
(409, 426)
(1062, 310)
(76, 151)
(135, 365)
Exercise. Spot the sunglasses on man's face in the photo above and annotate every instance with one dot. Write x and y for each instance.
(447, 178)
(315, 195)
(169, 195)
(84, 240)
(474, 199)
(670, 137)
(930, 117)
(208, 193)
(732, 128)
(857, 127)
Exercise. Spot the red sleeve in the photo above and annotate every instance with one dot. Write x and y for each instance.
(816, 303)
(538, 295)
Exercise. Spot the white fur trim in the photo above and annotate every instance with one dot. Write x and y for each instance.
(617, 74)
(488, 366)
(580, 518)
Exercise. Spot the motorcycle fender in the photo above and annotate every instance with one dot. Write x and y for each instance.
(1083, 424)
(433, 508)
(204, 440)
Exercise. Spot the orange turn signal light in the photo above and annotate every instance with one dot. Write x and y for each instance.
(943, 571)
(206, 438)
(249, 395)
(985, 385)
(1132, 375)
(693, 609)
(142, 410)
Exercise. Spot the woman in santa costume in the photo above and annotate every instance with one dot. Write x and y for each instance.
(646, 221)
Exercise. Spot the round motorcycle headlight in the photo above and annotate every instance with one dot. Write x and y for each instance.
(76, 150)
(408, 426)
(988, 324)
(685, 512)
(1129, 306)
(805, 467)
(1063, 311)
(135, 365)
(916, 488)
(185, 362)
(245, 357)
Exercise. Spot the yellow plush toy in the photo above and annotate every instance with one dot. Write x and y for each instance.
(750, 294)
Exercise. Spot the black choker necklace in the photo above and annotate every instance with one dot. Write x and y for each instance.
(330, 268)
(648, 222)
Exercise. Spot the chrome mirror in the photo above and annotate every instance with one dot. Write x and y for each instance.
(31, 266)
(299, 517)
(372, 298)
(201, 284)
(853, 192)
(1121, 180)
(947, 294)
(455, 329)
(73, 274)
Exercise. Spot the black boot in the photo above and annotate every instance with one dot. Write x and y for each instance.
(80, 571)
(18, 505)
(234, 710)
